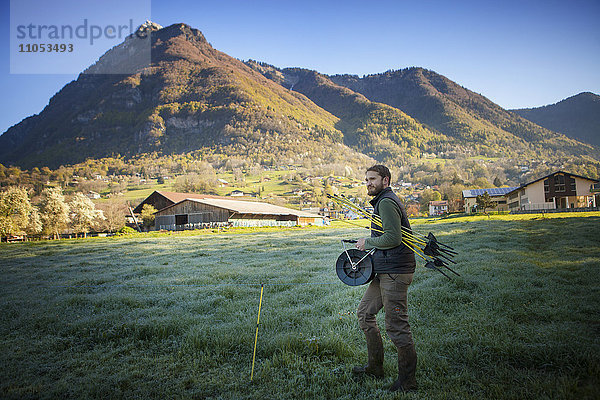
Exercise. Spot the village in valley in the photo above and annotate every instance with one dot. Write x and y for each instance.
(283, 196)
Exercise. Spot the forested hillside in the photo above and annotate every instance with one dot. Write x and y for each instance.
(577, 117)
(476, 122)
(383, 132)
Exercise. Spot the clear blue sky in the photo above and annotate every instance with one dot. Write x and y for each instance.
(516, 53)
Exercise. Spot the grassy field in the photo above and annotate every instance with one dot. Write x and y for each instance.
(174, 316)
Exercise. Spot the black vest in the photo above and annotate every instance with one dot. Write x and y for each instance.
(399, 259)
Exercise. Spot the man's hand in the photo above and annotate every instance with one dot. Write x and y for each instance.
(360, 244)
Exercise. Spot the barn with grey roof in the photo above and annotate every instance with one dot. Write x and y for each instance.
(197, 213)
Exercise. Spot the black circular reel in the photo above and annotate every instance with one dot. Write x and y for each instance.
(356, 275)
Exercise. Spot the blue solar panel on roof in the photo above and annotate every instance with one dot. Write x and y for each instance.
(492, 191)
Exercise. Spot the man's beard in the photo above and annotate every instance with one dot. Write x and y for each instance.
(375, 190)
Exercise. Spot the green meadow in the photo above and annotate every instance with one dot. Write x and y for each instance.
(174, 316)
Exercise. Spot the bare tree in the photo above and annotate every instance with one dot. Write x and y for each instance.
(114, 211)
(194, 182)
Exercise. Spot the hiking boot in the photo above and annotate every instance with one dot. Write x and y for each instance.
(374, 367)
(407, 365)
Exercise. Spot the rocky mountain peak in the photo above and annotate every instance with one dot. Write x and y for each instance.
(148, 26)
(180, 29)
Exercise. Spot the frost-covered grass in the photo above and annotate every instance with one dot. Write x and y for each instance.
(175, 316)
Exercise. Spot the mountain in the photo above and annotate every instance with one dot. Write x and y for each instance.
(470, 118)
(192, 97)
(375, 129)
(577, 117)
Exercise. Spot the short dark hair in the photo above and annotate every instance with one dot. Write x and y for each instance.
(382, 170)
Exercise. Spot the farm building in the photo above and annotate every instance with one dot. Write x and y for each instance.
(160, 200)
(498, 196)
(196, 213)
(559, 190)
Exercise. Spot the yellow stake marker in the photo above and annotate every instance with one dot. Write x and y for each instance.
(256, 337)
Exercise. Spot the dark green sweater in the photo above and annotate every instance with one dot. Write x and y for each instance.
(392, 227)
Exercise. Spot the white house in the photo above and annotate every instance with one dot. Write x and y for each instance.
(437, 208)
(559, 190)
(93, 195)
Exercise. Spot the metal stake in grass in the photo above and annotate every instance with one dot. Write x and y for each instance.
(256, 336)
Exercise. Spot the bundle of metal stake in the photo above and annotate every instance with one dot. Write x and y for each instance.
(436, 255)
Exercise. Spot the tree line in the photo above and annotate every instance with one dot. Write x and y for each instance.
(52, 214)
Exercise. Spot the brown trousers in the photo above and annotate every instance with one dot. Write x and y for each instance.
(390, 292)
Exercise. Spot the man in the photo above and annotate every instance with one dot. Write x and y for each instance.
(394, 265)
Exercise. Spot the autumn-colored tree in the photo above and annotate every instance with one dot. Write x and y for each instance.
(17, 215)
(34, 224)
(84, 214)
(54, 211)
(481, 183)
(148, 216)
(427, 196)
